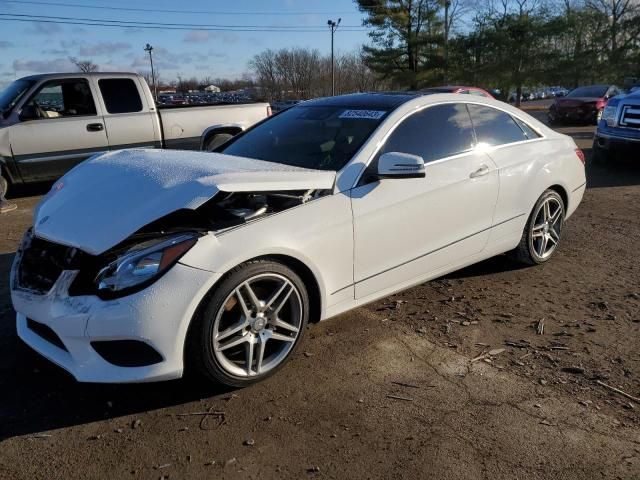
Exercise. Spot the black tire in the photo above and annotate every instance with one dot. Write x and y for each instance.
(199, 352)
(216, 140)
(525, 252)
(4, 185)
(600, 155)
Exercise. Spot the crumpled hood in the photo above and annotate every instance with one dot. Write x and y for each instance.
(108, 197)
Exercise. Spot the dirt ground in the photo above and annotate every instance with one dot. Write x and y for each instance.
(387, 391)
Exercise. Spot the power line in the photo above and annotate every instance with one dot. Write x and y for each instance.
(159, 10)
(150, 27)
(195, 26)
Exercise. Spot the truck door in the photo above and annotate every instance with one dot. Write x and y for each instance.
(60, 126)
(129, 120)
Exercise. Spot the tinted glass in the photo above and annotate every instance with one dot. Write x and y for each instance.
(318, 137)
(596, 91)
(435, 132)
(494, 127)
(10, 95)
(528, 131)
(64, 98)
(120, 95)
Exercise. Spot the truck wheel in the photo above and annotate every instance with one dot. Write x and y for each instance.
(216, 140)
(600, 155)
(4, 186)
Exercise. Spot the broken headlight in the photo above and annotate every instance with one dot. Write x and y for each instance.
(142, 264)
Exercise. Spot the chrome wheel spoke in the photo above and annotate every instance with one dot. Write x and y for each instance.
(231, 330)
(543, 245)
(285, 285)
(243, 303)
(553, 236)
(232, 343)
(547, 211)
(280, 336)
(249, 356)
(278, 322)
(255, 302)
(261, 344)
(537, 231)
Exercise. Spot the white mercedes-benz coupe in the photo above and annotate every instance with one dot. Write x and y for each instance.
(142, 262)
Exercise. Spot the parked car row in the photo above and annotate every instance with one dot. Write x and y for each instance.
(202, 98)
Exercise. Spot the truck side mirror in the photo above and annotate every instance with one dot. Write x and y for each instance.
(29, 112)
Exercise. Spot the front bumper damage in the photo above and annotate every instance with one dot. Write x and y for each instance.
(68, 329)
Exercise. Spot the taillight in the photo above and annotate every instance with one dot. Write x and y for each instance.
(580, 155)
(269, 111)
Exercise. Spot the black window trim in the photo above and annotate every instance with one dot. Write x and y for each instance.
(418, 109)
(39, 88)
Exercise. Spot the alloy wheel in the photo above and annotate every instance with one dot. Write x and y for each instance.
(547, 227)
(257, 325)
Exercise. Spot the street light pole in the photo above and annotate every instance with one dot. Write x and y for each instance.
(333, 26)
(148, 48)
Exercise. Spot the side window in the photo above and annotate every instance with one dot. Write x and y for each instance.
(120, 95)
(528, 131)
(64, 98)
(478, 93)
(435, 132)
(495, 127)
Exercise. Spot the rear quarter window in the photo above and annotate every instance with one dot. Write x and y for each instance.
(495, 127)
(120, 95)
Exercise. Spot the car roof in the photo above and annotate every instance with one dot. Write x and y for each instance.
(381, 100)
(79, 74)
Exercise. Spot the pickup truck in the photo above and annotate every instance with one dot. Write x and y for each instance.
(51, 122)
(618, 130)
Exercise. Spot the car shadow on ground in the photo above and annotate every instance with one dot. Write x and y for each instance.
(29, 190)
(38, 396)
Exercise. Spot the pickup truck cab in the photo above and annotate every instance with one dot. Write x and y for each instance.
(51, 122)
(618, 130)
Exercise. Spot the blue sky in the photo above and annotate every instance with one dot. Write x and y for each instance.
(29, 47)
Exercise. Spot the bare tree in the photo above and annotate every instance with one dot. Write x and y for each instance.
(85, 66)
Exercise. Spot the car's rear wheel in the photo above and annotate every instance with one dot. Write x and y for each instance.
(217, 140)
(543, 230)
(251, 325)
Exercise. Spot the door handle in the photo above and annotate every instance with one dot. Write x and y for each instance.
(95, 127)
(482, 171)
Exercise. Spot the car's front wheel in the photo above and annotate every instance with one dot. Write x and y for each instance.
(543, 230)
(251, 324)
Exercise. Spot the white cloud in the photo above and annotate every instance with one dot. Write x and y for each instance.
(43, 66)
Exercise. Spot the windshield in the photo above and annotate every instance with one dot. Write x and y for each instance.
(317, 137)
(596, 91)
(10, 95)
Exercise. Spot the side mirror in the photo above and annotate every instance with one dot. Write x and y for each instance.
(400, 165)
(29, 112)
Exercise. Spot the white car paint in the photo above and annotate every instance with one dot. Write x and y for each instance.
(360, 243)
(86, 208)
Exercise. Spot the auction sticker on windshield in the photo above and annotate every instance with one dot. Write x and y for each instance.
(367, 114)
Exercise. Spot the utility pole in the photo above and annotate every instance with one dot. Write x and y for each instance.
(333, 26)
(447, 4)
(148, 48)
